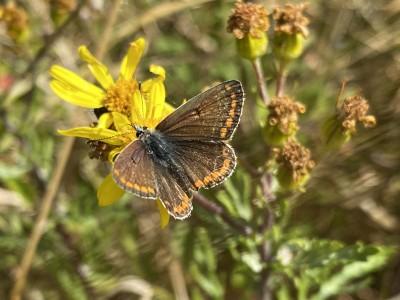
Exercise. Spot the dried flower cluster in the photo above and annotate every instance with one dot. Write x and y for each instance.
(63, 6)
(291, 20)
(284, 113)
(355, 110)
(15, 20)
(248, 18)
(295, 158)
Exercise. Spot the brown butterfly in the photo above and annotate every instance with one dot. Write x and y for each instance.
(188, 150)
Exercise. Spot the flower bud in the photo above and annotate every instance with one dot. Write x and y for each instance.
(339, 128)
(249, 23)
(294, 165)
(282, 120)
(290, 27)
(16, 22)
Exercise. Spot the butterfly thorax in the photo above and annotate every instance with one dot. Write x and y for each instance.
(157, 145)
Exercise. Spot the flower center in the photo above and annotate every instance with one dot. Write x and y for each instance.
(119, 96)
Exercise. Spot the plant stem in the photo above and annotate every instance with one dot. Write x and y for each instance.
(218, 210)
(281, 79)
(262, 86)
(266, 247)
(40, 224)
(63, 157)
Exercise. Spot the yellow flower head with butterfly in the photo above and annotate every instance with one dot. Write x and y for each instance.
(118, 104)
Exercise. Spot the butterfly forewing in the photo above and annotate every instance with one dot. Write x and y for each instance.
(133, 170)
(212, 115)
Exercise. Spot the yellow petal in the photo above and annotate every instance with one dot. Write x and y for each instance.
(157, 98)
(113, 153)
(72, 80)
(164, 215)
(131, 60)
(139, 109)
(158, 70)
(155, 90)
(99, 71)
(71, 88)
(75, 96)
(109, 192)
(106, 135)
(122, 123)
(105, 121)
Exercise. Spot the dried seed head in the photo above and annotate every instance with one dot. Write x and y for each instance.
(248, 18)
(16, 21)
(294, 164)
(63, 6)
(290, 19)
(284, 113)
(355, 110)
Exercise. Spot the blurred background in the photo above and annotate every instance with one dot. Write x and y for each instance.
(119, 251)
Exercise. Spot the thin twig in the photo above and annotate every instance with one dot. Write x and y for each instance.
(281, 79)
(51, 39)
(280, 85)
(37, 232)
(262, 86)
(54, 184)
(102, 47)
(217, 210)
(266, 247)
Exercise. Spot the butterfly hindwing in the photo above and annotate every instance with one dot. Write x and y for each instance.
(133, 170)
(177, 201)
(212, 115)
(205, 164)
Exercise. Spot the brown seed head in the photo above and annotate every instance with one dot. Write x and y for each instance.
(248, 18)
(353, 110)
(15, 18)
(290, 19)
(295, 158)
(63, 6)
(284, 113)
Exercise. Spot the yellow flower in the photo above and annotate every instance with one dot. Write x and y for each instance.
(124, 102)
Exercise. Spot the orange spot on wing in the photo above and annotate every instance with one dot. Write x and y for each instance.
(144, 189)
(207, 179)
(223, 132)
(233, 103)
(129, 184)
(198, 184)
(183, 207)
(232, 112)
(227, 162)
(229, 122)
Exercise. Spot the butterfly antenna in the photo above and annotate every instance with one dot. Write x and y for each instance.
(117, 135)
